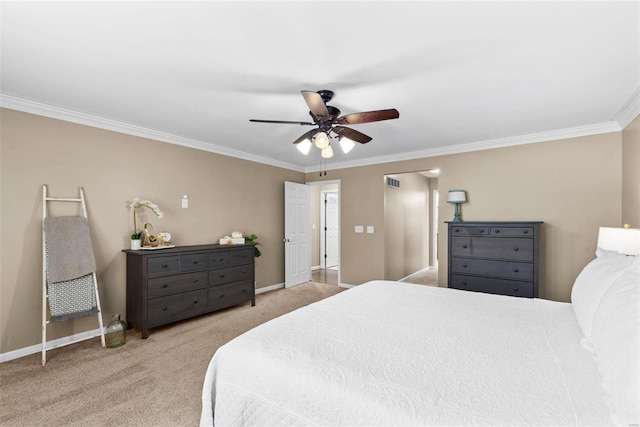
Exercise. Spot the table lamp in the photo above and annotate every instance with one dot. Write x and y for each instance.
(456, 197)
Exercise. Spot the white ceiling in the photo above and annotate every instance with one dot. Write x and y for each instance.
(463, 75)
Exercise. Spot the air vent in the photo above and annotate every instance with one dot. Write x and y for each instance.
(393, 183)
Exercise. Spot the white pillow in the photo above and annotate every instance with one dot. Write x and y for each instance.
(615, 336)
(593, 282)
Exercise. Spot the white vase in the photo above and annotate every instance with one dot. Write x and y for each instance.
(136, 244)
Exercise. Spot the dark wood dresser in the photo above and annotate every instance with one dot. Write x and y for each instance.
(494, 257)
(168, 285)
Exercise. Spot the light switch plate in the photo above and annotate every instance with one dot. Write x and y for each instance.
(370, 229)
(359, 229)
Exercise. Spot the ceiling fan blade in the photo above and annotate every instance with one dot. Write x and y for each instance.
(368, 117)
(315, 103)
(352, 134)
(282, 121)
(306, 135)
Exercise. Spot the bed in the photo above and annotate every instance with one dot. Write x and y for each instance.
(392, 353)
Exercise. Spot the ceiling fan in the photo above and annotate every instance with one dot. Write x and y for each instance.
(328, 121)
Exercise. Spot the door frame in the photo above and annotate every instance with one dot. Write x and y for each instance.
(323, 222)
(434, 226)
(339, 191)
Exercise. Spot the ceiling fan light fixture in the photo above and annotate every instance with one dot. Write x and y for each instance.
(304, 146)
(327, 152)
(346, 144)
(322, 141)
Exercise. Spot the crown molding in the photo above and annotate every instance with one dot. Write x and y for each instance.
(596, 129)
(629, 111)
(54, 112)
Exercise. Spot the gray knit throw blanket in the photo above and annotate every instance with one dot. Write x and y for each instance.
(70, 265)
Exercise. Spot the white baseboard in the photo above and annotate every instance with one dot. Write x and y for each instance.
(269, 288)
(315, 267)
(346, 285)
(72, 339)
(404, 279)
(37, 348)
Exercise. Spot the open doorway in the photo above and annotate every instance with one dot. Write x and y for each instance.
(325, 232)
(410, 211)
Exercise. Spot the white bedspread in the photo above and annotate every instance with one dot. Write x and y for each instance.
(390, 353)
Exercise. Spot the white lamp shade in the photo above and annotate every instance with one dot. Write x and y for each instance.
(457, 196)
(327, 152)
(322, 140)
(346, 144)
(304, 146)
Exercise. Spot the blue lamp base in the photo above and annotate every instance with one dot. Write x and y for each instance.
(456, 215)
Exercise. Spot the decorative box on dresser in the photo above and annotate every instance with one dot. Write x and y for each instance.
(168, 285)
(498, 257)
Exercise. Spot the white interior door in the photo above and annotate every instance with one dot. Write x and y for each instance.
(297, 238)
(331, 229)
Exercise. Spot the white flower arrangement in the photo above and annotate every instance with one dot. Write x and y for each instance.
(137, 203)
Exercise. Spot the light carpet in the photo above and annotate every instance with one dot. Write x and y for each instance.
(152, 382)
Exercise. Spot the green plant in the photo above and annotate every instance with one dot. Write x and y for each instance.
(254, 239)
(136, 236)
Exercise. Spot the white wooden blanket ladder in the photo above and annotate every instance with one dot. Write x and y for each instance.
(45, 293)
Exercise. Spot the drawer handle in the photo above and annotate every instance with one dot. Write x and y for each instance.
(515, 249)
(164, 266)
(515, 270)
(464, 283)
(165, 285)
(221, 259)
(457, 230)
(244, 290)
(222, 276)
(497, 231)
(464, 246)
(195, 280)
(464, 265)
(525, 231)
(515, 289)
(195, 301)
(195, 262)
(482, 230)
(221, 295)
(164, 308)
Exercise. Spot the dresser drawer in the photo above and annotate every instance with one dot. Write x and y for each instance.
(469, 231)
(228, 295)
(176, 307)
(493, 286)
(161, 286)
(229, 258)
(194, 262)
(509, 248)
(512, 231)
(231, 274)
(163, 265)
(501, 269)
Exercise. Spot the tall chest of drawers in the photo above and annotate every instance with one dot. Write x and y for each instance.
(168, 285)
(494, 257)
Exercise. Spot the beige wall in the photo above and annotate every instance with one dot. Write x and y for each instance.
(631, 174)
(406, 225)
(573, 185)
(225, 194)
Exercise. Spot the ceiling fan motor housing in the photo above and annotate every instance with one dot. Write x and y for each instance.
(326, 95)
